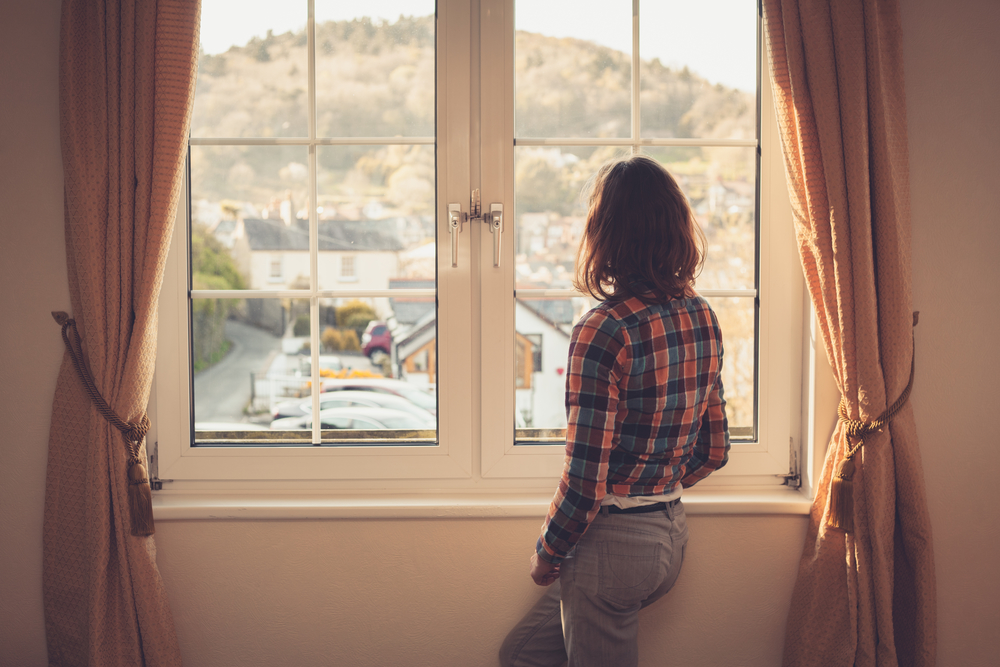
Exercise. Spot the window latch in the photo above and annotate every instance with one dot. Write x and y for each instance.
(456, 218)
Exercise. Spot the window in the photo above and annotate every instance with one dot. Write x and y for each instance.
(476, 339)
(347, 268)
(276, 275)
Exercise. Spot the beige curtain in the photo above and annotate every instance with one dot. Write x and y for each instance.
(864, 597)
(126, 84)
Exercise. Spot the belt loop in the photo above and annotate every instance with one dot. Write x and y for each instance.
(605, 510)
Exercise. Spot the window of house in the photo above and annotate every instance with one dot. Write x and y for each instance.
(276, 275)
(322, 128)
(524, 357)
(347, 268)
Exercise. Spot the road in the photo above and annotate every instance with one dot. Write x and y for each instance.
(223, 391)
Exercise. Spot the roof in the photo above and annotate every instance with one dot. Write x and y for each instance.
(342, 235)
(411, 309)
(555, 311)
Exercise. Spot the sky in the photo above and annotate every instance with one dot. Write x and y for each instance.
(714, 38)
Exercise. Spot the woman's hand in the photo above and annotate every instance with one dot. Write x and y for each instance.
(543, 572)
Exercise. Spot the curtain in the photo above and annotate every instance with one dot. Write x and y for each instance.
(865, 596)
(126, 84)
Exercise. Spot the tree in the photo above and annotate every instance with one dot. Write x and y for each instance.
(212, 268)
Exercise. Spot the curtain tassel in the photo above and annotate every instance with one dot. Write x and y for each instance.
(841, 515)
(842, 496)
(140, 499)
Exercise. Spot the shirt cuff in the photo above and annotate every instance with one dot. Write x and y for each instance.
(545, 555)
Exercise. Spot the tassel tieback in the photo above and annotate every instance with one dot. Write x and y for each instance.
(140, 497)
(841, 515)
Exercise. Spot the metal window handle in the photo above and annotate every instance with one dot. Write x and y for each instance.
(455, 220)
(456, 217)
(496, 228)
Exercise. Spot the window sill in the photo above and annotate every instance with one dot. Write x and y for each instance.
(193, 507)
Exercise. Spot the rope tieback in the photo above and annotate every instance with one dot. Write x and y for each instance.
(841, 513)
(133, 433)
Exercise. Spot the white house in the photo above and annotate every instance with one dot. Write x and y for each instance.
(353, 254)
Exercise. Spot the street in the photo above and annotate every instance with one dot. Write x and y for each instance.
(223, 391)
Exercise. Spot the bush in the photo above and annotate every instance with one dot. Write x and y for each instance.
(355, 315)
(349, 339)
(301, 326)
(335, 340)
(332, 340)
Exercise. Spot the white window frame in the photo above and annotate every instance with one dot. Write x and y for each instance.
(768, 459)
(475, 450)
(191, 466)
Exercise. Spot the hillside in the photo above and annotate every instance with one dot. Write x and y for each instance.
(377, 80)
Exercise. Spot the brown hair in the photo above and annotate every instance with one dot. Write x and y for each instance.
(639, 228)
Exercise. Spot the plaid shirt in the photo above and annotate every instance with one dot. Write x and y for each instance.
(645, 410)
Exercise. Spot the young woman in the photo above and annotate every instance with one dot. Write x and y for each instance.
(646, 418)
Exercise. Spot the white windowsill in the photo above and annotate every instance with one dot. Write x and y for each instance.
(192, 506)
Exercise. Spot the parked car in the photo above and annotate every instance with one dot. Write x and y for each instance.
(347, 399)
(413, 394)
(376, 340)
(358, 418)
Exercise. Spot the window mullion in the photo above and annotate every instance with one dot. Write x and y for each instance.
(314, 341)
(636, 120)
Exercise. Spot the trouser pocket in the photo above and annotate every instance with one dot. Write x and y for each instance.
(628, 572)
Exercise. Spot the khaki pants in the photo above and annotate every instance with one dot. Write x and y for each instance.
(590, 616)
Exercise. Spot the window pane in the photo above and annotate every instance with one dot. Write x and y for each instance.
(252, 73)
(395, 397)
(376, 211)
(248, 357)
(720, 184)
(374, 69)
(550, 209)
(573, 69)
(736, 318)
(249, 211)
(543, 326)
(698, 69)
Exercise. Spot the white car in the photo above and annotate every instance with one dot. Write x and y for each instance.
(413, 394)
(347, 399)
(359, 418)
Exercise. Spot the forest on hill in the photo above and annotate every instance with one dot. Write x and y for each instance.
(376, 79)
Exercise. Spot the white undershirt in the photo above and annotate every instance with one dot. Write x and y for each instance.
(628, 502)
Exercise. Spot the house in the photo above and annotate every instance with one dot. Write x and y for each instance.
(353, 254)
(541, 348)
(443, 590)
(543, 328)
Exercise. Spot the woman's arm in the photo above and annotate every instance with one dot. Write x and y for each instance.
(711, 450)
(596, 357)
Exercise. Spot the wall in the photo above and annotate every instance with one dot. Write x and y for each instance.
(444, 592)
(953, 92)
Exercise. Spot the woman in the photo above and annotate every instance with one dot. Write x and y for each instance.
(646, 418)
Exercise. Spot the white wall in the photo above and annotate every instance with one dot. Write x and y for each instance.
(443, 592)
(545, 400)
(953, 93)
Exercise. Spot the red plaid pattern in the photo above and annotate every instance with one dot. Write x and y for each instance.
(645, 410)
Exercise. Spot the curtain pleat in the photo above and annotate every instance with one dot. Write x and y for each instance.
(127, 70)
(865, 597)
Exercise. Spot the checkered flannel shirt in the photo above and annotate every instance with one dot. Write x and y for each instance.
(645, 410)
